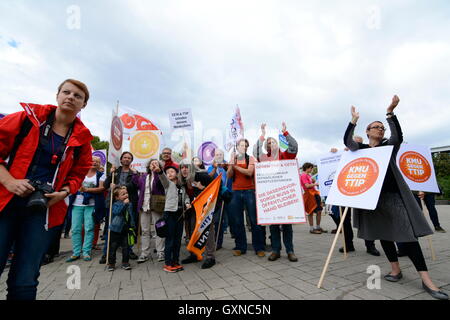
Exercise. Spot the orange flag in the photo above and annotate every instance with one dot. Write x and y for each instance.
(204, 206)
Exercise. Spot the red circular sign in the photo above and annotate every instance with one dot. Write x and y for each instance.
(415, 167)
(117, 133)
(358, 176)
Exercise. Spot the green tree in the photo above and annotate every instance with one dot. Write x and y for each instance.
(98, 144)
(441, 163)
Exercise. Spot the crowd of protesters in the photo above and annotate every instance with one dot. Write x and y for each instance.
(127, 203)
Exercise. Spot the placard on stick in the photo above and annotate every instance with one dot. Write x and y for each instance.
(278, 193)
(359, 178)
(416, 165)
(327, 166)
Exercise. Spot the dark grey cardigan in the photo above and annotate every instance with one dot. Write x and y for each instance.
(397, 216)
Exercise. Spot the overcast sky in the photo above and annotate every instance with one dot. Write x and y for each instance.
(304, 62)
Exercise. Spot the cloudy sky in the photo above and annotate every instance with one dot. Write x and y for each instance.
(303, 62)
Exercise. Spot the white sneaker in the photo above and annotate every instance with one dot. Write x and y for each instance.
(142, 259)
(160, 257)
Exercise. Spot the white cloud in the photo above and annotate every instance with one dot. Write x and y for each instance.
(304, 63)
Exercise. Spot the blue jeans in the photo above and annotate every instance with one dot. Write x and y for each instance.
(82, 215)
(287, 237)
(247, 199)
(26, 229)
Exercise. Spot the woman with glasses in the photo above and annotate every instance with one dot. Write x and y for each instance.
(397, 217)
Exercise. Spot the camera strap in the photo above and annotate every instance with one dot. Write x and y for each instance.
(44, 140)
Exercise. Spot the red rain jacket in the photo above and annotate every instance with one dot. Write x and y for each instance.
(70, 171)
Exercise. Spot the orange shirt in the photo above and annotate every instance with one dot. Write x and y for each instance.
(242, 181)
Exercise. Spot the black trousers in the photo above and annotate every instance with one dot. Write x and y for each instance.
(118, 240)
(430, 202)
(348, 230)
(412, 249)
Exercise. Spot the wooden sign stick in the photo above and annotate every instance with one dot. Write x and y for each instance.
(343, 234)
(322, 276)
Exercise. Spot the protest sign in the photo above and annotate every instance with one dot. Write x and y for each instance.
(101, 154)
(278, 193)
(236, 130)
(416, 165)
(360, 176)
(116, 140)
(144, 145)
(181, 119)
(133, 121)
(327, 166)
(206, 152)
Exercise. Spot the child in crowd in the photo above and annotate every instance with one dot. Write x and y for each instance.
(176, 203)
(122, 222)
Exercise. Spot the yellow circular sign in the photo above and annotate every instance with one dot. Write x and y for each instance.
(144, 145)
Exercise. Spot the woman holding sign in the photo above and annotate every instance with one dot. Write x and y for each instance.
(397, 217)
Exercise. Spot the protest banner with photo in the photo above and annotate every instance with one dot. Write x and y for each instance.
(144, 145)
(416, 165)
(116, 140)
(327, 166)
(279, 197)
(204, 206)
(101, 154)
(359, 178)
(181, 119)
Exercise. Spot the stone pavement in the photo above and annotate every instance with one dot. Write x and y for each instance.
(250, 277)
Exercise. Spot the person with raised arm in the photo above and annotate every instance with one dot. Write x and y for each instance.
(397, 217)
(274, 153)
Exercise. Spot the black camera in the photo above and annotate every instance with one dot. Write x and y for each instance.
(37, 199)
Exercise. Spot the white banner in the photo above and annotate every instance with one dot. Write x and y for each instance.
(133, 121)
(181, 119)
(416, 165)
(359, 178)
(144, 145)
(327, 166)
(279, 196)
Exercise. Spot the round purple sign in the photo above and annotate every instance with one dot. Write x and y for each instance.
(206, 152)
(101, 155)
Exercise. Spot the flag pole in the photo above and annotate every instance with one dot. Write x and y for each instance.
(108, 242)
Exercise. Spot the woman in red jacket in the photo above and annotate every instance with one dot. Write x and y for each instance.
(49, 155)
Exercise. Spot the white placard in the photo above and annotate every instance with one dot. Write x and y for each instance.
(327, 166)
(115, 140)
(278, 193)
(359, 178)
(416, 165)
(181, 119)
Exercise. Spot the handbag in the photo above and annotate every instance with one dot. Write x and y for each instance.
(157, 203)
(161, 227)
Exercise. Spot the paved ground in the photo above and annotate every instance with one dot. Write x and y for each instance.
(252, 278)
